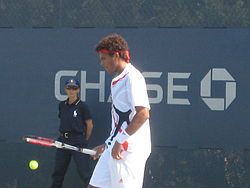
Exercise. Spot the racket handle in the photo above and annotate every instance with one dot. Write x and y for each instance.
(88, 151)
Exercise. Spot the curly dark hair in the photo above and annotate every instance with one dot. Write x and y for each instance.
(113, 42)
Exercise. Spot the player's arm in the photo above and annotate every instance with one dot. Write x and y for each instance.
(142, 115)
(89, 128)
(138, 97)
(137, 93)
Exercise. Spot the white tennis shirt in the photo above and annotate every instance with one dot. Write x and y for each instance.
(128, 90)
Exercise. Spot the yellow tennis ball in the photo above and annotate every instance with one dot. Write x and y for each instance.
(33, 164)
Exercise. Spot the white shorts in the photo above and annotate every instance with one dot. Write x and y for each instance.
(125, 173)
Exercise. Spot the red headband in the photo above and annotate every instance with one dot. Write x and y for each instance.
(112, 52)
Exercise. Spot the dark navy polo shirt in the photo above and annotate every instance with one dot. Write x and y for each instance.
(73, 116)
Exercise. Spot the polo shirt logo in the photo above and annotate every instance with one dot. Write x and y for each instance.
(75, 113)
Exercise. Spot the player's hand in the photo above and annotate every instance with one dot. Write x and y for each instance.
(117, 151)
(99, 150)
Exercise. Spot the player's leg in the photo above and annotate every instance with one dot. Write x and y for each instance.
(101, 175)
(129, 171)
(82, 164)
(61, 165)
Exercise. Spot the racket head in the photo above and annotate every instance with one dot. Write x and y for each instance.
(39, 140)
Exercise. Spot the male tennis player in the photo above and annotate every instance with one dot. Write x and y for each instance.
(124, 154)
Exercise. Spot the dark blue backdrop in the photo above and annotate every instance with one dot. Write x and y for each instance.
(31, 58)
(205, 65)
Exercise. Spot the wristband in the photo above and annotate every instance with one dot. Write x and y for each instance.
(122, 137)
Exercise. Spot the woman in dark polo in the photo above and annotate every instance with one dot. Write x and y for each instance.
(75, 129)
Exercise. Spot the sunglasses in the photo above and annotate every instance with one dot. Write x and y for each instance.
(69, 88)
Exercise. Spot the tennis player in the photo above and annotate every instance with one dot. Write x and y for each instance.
(124, 154)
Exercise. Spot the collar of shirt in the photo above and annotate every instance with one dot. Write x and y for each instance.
(123, 74)
(76, 102)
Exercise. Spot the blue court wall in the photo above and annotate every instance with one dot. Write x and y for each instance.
(198, 84)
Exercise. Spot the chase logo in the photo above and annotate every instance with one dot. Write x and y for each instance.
(218, 104)
(173, 91)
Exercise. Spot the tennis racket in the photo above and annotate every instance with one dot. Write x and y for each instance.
(54, 143)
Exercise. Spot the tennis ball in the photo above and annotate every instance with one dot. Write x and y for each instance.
(33, 164)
